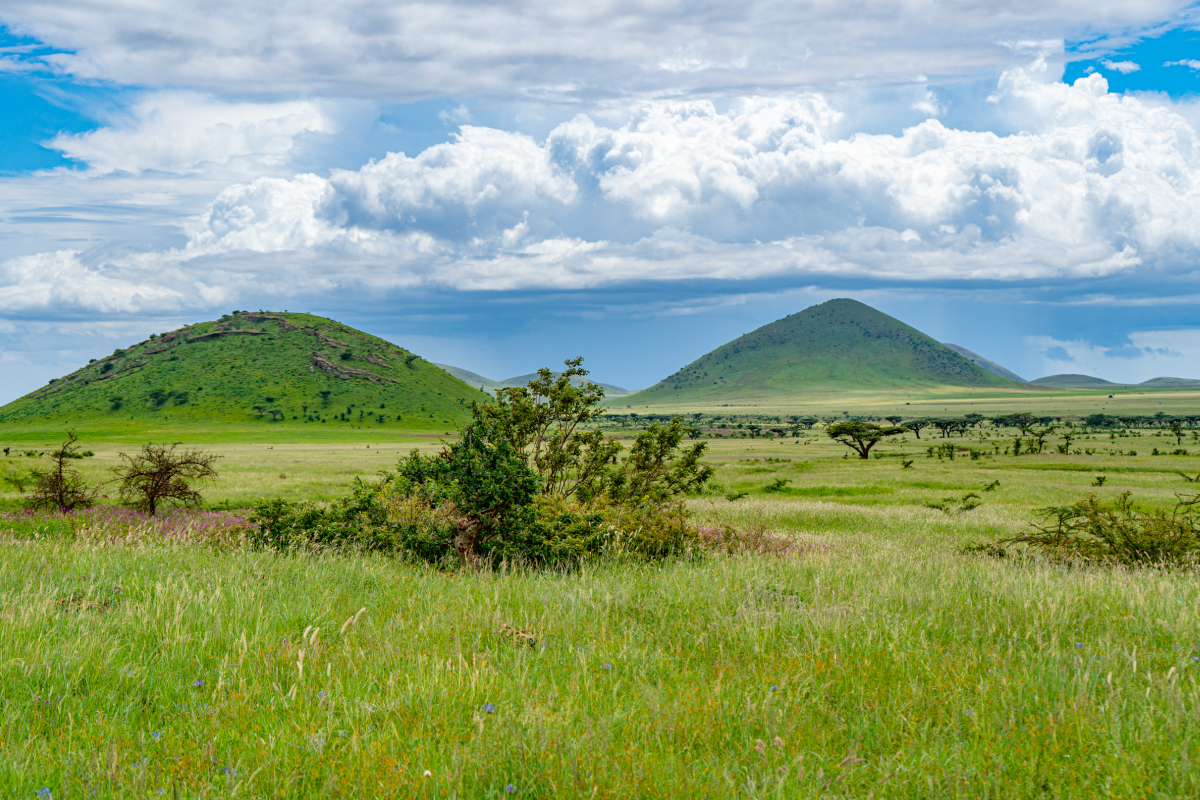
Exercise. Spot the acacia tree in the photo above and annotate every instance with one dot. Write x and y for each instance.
(916, 425)
(655, 468)
(531, 442)
(860, 436)
(543, 421)
(160, 474)
(945, 425)
(894, 420)
(61, 487)
(1039, 435)
(1176, 426)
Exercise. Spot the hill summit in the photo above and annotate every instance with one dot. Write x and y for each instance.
(840, 345)
(246, 366)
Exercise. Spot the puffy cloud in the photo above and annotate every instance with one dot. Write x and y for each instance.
(1101, 184)
(60, 279)
(181, 131)
(544, 48)
(1123, 67)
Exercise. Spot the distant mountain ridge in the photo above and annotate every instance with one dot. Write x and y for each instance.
(1077, 381)
(840, 345)
(990, 366)
(490, 386)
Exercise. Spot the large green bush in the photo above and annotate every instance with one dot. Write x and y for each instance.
(1119, 532)
(522, 483)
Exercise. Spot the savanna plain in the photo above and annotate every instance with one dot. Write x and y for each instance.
(873, 654)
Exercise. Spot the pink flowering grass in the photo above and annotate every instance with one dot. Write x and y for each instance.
(114, 524)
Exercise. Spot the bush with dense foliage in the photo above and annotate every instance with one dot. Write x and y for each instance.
(524, 482)
(1119, 532)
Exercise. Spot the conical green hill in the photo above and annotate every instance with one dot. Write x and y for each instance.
(841, 345)
(287, 369)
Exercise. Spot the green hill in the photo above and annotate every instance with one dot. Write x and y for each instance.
(265, 367)
(838, 346)
(1074, 381)
(990, 366)
(1169, 383)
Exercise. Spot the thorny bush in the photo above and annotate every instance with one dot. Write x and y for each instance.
(1119, 532)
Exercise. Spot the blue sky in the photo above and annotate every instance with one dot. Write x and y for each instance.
(501, 186)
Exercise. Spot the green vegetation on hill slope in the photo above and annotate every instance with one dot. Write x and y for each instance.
(833, 347)
(276, 369)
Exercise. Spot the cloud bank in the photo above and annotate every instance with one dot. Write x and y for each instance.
(1097, 185)
(547, 49)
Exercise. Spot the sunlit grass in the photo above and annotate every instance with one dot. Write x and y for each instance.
(878, 660)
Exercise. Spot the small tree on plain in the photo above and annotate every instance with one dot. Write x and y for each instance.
(860, 436)
(61, 487)
(916, 425)
(1176, 426)
(162, 474)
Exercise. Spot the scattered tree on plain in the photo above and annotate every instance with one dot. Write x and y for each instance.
(61, 487)
(860, 436)
(164, 475)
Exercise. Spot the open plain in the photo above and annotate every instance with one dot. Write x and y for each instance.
(870, 656)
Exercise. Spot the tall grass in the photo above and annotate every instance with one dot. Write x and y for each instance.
(875, 661)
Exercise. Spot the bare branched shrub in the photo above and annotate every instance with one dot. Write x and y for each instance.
(61, 487)
(1119, 532)
(162, 474)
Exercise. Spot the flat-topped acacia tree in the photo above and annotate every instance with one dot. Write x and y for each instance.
(860, 436)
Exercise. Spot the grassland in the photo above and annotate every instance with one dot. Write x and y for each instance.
(942, 401)
(877, 660)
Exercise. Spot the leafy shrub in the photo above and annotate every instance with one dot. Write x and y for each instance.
(359, 521)
(521, 483)
(61, 487)
(1119, 532)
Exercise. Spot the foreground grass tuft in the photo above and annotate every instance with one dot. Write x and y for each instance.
(870, 663)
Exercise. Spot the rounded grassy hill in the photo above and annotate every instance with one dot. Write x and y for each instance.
(269, 367)
(837, 346)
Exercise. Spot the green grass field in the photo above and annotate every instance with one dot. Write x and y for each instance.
(875, 661)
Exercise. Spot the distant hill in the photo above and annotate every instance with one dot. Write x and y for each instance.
(471, 379)
(1170, 383)
(841, 345)
(490, 386)
(274, 367)
(990, 366)
(1074, 381)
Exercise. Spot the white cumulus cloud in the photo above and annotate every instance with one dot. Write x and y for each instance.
(1123, 67)
(180, 131)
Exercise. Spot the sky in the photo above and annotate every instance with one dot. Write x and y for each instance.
(504, 185)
